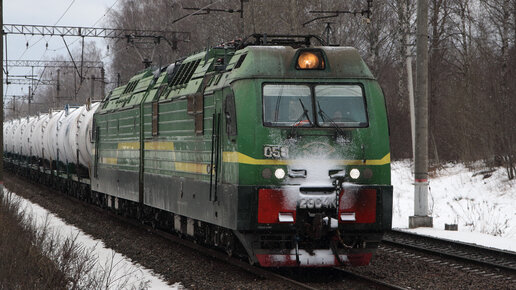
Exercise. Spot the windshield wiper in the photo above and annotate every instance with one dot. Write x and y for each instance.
(305, 112)
(327, 118)
(300, 119)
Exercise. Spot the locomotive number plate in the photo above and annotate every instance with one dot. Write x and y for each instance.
(275, 151)
(319, 202)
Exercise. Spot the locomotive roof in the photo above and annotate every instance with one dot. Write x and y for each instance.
(279, 61)
(228, 65)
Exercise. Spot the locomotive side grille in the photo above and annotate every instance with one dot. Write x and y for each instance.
(130, 87)
(185, 72)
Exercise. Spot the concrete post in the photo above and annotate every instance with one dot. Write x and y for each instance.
(103, 83)
(92, 82)
(2, 98)
(421, 218)
(410, 83)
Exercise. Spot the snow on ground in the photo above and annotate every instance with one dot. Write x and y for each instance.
(482, 203)
(124, 273)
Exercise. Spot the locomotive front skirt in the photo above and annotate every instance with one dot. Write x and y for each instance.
(278, 153)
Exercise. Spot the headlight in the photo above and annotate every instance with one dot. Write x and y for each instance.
(267, 173)
(354, 173)
(312, 59)
(279, 173)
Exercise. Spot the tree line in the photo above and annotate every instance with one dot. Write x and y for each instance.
(471, 67)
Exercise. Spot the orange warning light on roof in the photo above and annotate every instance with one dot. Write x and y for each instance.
(310, 60)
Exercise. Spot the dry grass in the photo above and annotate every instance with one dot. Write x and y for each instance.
(23, 264)
(35, 257)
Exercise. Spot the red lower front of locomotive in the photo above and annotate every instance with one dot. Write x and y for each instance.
(321, 227)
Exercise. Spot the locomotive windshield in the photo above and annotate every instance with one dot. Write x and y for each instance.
(293, 105)
(342, 104)
(285, 105)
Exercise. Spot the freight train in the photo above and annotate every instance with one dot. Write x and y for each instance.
(275, 148)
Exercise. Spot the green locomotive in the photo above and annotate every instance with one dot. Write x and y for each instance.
(281, 149)
(272, 148)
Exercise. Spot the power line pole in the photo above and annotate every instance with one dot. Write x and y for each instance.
(103, 82)
(58, 89)
(92, 82)
(29, 98)
(421, 218)
(408, 66)
(2, 98)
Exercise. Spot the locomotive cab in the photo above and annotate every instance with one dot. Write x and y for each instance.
(313, 156)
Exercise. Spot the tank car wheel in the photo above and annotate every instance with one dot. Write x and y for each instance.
(230, 249)
(229, 246)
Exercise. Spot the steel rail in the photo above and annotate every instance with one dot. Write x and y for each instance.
(260, 272)
(379, 283)
(453, 249)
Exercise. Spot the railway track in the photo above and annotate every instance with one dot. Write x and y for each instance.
(376, 283)
(359, 281)
(341, 276)
(457, 250)
(488, 262)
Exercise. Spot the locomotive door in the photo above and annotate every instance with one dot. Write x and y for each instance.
(216, 155)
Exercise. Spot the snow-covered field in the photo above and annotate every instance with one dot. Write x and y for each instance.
(115, 270)
(482, 203)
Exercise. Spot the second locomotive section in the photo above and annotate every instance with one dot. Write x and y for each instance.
(282, 150)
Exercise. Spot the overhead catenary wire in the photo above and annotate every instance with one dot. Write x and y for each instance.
(69, 6)
(43, 37)
(196, 12)
(60, 18)
(98, 20)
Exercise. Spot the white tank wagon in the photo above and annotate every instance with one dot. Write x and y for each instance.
(37, 135)
(80, 136)
(50, 136)
(65, 153)
(63, 136)
(9, 136)
(7, 131)
(19, 137)
(27, 136)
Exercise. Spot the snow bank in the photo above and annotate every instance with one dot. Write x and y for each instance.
(479, 201)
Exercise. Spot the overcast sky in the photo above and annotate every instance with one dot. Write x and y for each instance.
(48, 12)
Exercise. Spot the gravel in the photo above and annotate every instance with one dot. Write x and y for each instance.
(415, 270)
